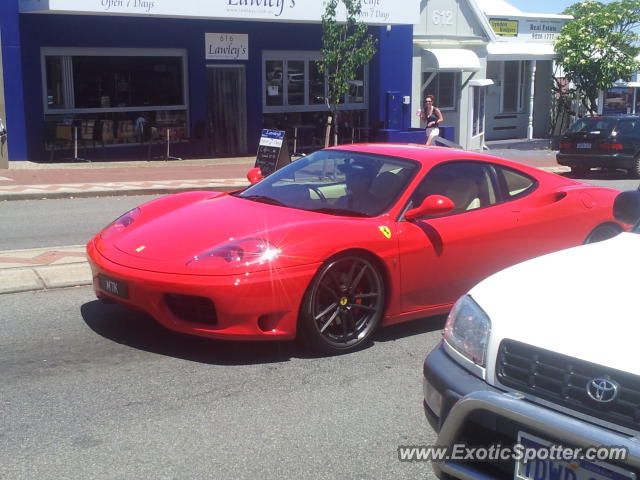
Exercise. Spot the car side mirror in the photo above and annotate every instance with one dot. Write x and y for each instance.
(626, 207)
(254, 175)
(431, 205)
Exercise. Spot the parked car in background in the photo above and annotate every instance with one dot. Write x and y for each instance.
(340, 241)
(544, 353)
(602, 142)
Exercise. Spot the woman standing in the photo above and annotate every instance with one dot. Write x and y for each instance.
(432, 117)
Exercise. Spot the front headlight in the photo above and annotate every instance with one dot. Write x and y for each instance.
(236, 254)
(467, 330)
(120, 223)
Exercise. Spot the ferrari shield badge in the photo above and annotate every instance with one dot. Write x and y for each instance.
(140, 248)
(385, 231)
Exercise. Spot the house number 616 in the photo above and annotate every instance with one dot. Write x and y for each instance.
(442, 17)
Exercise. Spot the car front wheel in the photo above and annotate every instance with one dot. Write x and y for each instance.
(343, 305)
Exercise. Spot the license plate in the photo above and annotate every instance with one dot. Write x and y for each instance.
(538, 469)
(113, 286)
(583, 145)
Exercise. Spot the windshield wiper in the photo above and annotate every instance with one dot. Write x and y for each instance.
(339, 211)
(264, 199)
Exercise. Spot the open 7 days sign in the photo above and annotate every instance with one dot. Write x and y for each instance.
(227, 46)
(374, 12)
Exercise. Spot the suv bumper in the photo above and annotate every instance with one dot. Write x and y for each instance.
(473, 413)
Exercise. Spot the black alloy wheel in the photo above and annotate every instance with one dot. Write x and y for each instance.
(343, 305)
(603, 232)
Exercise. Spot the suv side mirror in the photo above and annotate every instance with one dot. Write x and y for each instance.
(626, 207)
(431, 205)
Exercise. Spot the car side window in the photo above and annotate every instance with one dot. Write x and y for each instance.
(468, 184)
(516, 183)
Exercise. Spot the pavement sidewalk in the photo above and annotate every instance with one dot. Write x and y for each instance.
(66, 266)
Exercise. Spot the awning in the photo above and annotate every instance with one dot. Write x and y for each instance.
(449, 60)
(520, 51)
(480, 82)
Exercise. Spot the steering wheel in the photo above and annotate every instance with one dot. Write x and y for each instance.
(318, 192)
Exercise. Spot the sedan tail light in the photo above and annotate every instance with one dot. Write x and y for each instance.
(615, 146)
(566, 144)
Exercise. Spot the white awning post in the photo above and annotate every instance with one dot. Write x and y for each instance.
(531, 98)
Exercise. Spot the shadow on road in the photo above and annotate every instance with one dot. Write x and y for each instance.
(600, 175)
(140, 331)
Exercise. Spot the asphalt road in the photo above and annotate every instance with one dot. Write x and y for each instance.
(59, 222)
(97, 391)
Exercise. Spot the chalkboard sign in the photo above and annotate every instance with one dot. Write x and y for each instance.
(273, 151)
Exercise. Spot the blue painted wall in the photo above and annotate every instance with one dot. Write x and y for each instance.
(14, 93)
(390, 69)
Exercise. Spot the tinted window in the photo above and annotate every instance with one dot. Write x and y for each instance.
(467, 184)
(336, 182)
(593, 124)
(516, 183)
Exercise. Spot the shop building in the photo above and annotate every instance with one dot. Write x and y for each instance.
(122, 78)
(490, 67)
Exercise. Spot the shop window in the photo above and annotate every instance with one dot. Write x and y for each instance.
(618, 100)
(478, 94)
(132, 81)
(293, 83)
(444, 87)
(113, 96)
(513, 86)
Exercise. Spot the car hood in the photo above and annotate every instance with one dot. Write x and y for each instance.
(169, 240)
(580, 302)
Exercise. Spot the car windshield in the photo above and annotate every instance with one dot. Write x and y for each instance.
(594, 124)
(336, 182)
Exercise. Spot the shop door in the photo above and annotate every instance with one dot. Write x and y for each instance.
(227, 110)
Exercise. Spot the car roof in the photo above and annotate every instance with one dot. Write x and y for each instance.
(427, 155)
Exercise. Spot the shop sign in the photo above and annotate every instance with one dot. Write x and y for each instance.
(543, 30)
(379, 12)
(226, 46)
(504, 27)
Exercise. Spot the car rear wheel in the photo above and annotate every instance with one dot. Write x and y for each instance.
(343, 305)
(603, 232)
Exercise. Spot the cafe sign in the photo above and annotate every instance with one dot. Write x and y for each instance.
(226, 46)
(380, 12)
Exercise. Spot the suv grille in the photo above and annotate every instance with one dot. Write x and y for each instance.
(192, 308)
(563, 380)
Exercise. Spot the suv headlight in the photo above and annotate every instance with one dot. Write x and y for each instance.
(467, 330)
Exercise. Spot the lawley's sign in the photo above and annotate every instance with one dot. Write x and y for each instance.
(382, 12)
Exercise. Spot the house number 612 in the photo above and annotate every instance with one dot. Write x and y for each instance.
(442, 17)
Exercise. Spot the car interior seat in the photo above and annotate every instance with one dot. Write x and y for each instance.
(386, 186)
(464, 193)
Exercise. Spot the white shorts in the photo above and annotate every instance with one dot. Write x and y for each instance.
(433, 132)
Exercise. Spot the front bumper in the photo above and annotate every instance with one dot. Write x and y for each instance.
(254, 306)
(616, 160)
(475, 413)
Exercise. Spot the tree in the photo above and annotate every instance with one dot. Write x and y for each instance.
(598, 48)
(346, 46)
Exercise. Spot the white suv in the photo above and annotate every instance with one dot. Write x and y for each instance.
(541, 354)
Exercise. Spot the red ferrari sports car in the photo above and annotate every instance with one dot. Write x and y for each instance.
(339, 242)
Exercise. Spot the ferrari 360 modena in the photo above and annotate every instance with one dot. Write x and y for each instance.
(340, 242)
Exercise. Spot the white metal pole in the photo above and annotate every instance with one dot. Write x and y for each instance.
(531, 98)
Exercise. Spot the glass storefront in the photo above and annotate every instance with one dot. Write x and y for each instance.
(113, 96)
